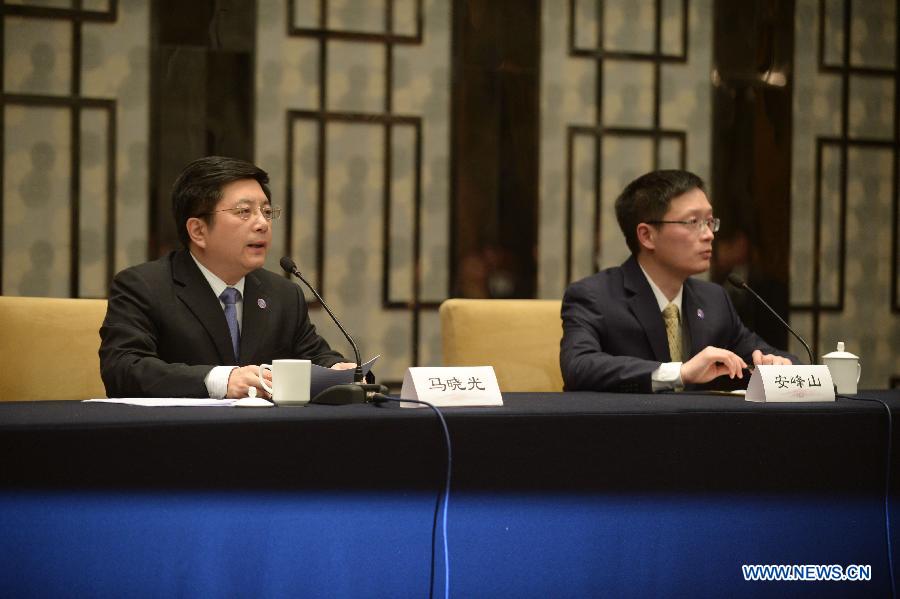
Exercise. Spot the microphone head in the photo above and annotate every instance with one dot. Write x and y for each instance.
(288, 264)
(736, 281)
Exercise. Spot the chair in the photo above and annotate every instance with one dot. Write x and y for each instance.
(48, 348)
(519, 338)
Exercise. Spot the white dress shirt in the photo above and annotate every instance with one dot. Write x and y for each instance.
(216, 380)
(668, 375)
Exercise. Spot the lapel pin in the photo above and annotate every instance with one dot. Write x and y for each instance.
(261, 303)
(700, 314)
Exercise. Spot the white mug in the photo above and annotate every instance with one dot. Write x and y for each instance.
(845, 369)
(290, 381)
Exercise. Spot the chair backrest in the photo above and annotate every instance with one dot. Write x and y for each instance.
(48, 348)
(519, 338)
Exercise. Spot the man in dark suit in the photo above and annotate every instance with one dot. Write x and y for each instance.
(646, 325)
(198, 322)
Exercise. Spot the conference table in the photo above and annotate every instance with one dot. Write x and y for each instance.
(552, 495)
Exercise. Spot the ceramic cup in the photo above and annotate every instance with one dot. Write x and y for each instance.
(290, 381)
(845, 369)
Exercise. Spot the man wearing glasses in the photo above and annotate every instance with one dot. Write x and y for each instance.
(198, 322)
(647, 325)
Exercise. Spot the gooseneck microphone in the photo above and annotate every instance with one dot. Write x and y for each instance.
(337, 394)
(739, 282)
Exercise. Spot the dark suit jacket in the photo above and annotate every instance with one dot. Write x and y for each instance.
(614, 335)
(165, 329)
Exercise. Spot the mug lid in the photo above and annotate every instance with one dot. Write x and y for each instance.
(840, 353)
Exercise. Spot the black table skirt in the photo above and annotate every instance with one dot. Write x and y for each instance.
(537, 441)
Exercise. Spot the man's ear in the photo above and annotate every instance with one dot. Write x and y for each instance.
(646, 236)
(197, 229)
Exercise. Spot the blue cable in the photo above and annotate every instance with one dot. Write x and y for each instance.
(378, 398)
(887, 487)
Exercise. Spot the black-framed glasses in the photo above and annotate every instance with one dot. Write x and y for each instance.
(693, 223)
(244, 211)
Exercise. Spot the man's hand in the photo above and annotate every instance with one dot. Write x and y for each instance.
(710, 363)
(760, 358)
(343, 366)
(241, 379)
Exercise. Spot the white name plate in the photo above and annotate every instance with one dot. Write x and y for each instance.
(790, 383)
(451, 386)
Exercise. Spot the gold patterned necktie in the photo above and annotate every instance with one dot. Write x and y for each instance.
(673, 331)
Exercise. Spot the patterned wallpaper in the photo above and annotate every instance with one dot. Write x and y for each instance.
(357, 92)
(385, 92)
(38, 108)
(569, 107)
(858, 310)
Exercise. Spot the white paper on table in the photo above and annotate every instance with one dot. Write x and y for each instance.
(322, 378)
(187, 402)
(167, 402)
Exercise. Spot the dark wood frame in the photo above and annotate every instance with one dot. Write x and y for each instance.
(75, 102)
(844, 142)
(387, 119)
(598, 131)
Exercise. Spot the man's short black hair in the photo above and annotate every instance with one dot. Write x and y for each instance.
(199, 188)
(648, 197)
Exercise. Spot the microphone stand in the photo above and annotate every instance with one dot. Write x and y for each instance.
(348, 393)
(739, 282)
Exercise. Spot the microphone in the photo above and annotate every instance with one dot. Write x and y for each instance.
(739, 282)
(336, 394)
